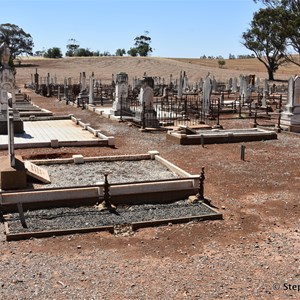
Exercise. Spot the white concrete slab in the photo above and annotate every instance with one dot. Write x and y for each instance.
(40, 134)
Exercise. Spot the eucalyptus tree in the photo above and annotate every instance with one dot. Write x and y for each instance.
(266, 40)
(17, 39)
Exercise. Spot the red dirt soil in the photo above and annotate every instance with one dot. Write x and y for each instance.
(252, 254)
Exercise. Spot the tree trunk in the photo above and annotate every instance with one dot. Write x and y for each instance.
(271, 74)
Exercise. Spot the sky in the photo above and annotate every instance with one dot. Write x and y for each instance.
(177, 28)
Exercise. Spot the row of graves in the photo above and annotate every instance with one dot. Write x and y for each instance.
(155, 102)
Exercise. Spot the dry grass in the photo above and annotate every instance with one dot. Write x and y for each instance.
(252, 65)
(104, 67)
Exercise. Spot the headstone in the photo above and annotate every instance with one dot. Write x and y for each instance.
(121, 105)
(91, 90)
(290, 117)
(242, 86)
(214, 84)
(200, 84)
(7, 93)
(257, 84)
(147, 115)
(165, 92)
(185, 82)
(266, 86)
(66, 96)
(36, 81)
(37, 172)
(206, 95)
(82, 97)
(234, 85)
(48, 85)
(180, 87)
(265, 93)
(186, 130)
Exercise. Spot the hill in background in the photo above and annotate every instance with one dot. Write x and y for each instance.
(104, 67)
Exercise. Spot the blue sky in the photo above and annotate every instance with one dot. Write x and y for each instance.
(178, 28)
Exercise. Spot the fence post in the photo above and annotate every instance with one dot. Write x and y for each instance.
(243, 148)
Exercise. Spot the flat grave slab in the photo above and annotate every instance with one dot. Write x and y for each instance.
(42, 134)
(218, 136)
(27, 109)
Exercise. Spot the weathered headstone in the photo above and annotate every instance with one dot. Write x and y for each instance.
(147, 115)
(121, 106)
(36, 81)
(82, 98)
(206, 95)
(234, 85)
(37, 172)
(66, 96)
(180, 87)
(185, 82)
(257, 84)
(214, 84)
(91, 90)
(186, 130)
(200, 84)
(242, 86)
(7, 93)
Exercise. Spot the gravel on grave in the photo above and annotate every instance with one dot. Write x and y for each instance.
(91, 173)
(89, 216)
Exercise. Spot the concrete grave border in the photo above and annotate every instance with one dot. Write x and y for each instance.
(121, 193)
(102, 140)
(156, 191)
(217, 136)
(214, 215)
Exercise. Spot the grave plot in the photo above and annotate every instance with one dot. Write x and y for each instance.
(62, 132)
(63, 221)
(27, 109)
(188, 136)
(141, 190)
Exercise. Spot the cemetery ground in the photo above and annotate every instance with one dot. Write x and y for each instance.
(252, 254)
